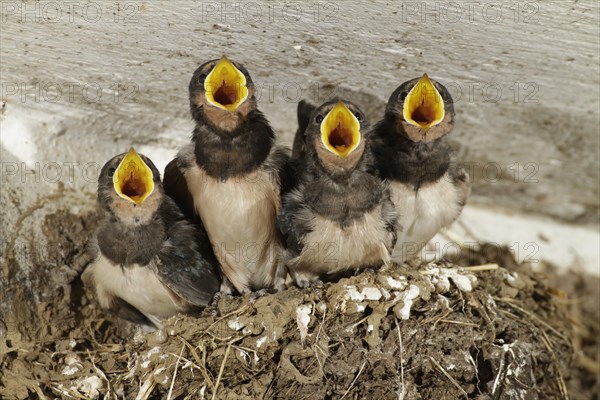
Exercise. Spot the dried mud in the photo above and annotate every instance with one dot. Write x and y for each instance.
(399, 333)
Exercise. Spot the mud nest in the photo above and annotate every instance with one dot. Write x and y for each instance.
(481, 327)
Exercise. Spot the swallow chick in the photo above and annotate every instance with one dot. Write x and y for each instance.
(339, 217)
(230, 176)
(429, 189)
(148, 267)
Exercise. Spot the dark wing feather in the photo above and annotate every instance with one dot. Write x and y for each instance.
(124, 310)
(176, 188)
(283, 168)
(289, 176)
(460, 178)
(390, 216)
(186, 266)
(292, 227)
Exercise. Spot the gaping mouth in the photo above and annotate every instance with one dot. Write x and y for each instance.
(424, 106)
(133, 179)
(340, 131)
(225, 86)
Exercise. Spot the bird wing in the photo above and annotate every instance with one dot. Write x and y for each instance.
(283, 168)
(460, 178)
(176, 188)
(123, 309)
(186, 267)
(294, 222)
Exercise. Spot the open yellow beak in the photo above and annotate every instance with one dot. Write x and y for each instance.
(225, 86)
(133, 180)
(424, 106)
(340, 131)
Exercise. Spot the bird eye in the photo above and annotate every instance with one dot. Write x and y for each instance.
(402, 96)
(111, 171)
(358, 116)
(319, 119)
(201, 78)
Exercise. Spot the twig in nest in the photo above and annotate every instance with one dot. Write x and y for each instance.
(435, 319)
(175, 374)
(442, 318)
(403, 392)
(64, 391)
(317, 348)
(248, 350)
(320, 326)
(533, 317)
(221, 369)
(101, 373)
(484, 267)
(482, 308)
(354, 325)
(354, 381)
(448, 321)
(264, 396)
(561, 381)
(449, 377)
(200, 363)
(500, 372)
(476, 268)
(146, 389)
(537, 329)
(39, 392)
(220, 339)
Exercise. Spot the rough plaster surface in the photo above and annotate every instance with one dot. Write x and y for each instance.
(82, 81)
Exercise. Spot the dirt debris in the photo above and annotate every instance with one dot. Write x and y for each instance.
(397, 333)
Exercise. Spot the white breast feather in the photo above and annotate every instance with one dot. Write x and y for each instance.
(423, 214)
(135, 284)
(239, 216)
(329, 248)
